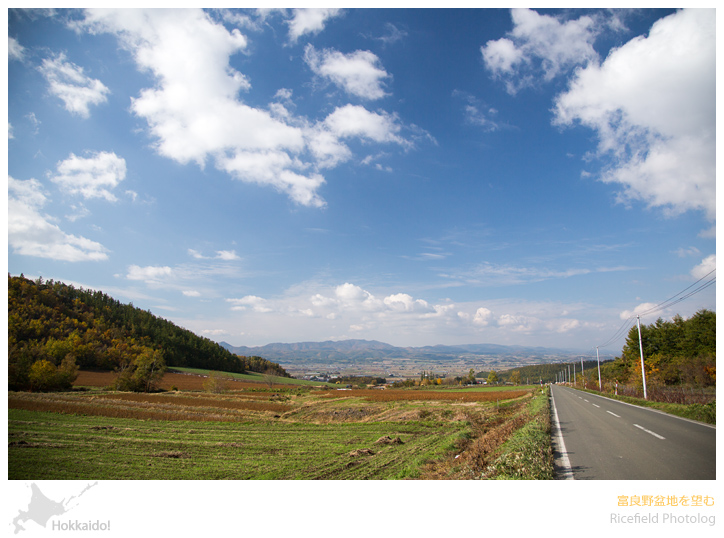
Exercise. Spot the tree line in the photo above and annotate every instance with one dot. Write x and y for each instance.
(55, 328)
(677, 352)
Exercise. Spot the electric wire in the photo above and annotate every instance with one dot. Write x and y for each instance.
(671, 301)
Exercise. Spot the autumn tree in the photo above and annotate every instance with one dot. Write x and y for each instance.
(216, 382)
(143, 374)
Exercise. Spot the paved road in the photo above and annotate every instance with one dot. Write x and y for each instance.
(602, 439)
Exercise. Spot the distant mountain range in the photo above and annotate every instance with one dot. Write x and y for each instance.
(358, 350)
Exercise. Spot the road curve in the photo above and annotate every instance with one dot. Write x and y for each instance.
(597, 438)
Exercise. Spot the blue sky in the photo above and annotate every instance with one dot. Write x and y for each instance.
(412, 176)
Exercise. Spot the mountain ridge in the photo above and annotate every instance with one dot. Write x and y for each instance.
(373, 349)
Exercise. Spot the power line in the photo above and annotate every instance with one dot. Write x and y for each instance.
(656, 308)
(671, 301)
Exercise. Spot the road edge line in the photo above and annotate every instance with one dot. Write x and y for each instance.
(563, 460)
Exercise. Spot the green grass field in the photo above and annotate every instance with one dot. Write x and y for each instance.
(54, 446)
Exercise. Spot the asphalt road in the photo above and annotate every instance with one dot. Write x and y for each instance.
(596, 438)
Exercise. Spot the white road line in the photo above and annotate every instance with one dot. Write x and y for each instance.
(564, 461)
(585, 400)
(649, 431)
(594, 405)
(614, 414)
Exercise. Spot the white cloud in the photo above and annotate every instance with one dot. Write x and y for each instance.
(564, 325)
(393, 35)
(706, 266)
(191, 293)
(476, 113)
(540, 43)
(402, 302)
(31, 234)
(309, 21)
(684, 252)
(258, 304)
(356, 121)
(315, 311)
(68, 82)
(194, 114)
(640, 309)
(214, 332)
(351, 296)
(653, 105)
(359, 73)
(149, 274)
(483, 316)
(275, 168)
(15, 50)
(226, 255)
(91, 177)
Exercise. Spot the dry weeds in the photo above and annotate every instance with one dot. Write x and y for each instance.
(396, 395)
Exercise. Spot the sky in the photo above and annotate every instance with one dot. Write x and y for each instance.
(418, 177)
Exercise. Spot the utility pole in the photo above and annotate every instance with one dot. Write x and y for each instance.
(582, 375)
(641, 350)
(599, 369)
(569, 373)
(574, 374)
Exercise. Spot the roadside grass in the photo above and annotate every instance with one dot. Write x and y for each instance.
(509, 441)
(701, 412)
(528, 453)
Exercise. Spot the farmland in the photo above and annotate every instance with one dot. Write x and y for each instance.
(254, 431)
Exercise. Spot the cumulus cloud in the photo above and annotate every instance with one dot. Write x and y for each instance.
(706, 266)
(67, 81)
(91, 177)
(652, 103)
(359, 73)
(31, 233)
(356, 121)
(540, 44)
(194, 113)
(309, 21)
(313, 311)
(483, 316)
(402, 302)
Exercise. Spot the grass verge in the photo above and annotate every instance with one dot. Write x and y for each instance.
(528, 453)
(701, 412)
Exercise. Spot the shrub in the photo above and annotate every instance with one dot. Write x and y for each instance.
(44, 376)
(144, 374)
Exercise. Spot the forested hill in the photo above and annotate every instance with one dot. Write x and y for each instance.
(53, 321)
